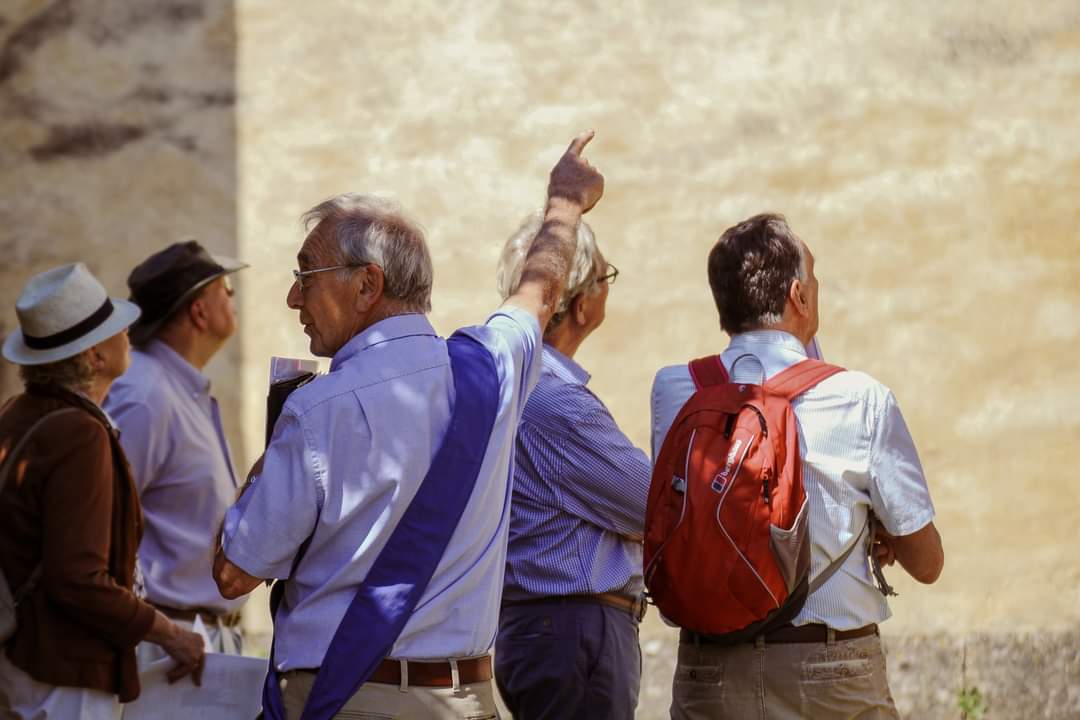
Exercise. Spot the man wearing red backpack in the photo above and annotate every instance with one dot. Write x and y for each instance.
(762, 437)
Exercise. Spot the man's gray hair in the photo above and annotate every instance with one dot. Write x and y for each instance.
(583, 270)
(369, 229)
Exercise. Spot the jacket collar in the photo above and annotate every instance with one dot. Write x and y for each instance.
(69, 397)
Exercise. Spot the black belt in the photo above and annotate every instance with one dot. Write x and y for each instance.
(813, 633)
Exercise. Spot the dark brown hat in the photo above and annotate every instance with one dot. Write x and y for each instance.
(162, 283)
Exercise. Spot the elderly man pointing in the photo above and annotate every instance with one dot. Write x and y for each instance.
(383, 499)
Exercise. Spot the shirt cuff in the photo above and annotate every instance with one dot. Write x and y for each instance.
(908, 525)
(232, 544)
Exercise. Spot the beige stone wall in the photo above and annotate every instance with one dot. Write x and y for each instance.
(926, 153)
(117, 137)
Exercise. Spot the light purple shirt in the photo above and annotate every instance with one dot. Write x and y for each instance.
(348, 454)
(170, 428)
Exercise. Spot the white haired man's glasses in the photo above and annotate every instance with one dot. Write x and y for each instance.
(299, 275)
(609, 276)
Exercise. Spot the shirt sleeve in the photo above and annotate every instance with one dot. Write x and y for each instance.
(143, 440)
(513, 335)
(603, 477)
(277, 512)
(671, 388)
(898, 490)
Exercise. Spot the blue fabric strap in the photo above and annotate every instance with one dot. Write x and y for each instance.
(389, 594)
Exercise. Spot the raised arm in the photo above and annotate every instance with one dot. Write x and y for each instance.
(574, 188)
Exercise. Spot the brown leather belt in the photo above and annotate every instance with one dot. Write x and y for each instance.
(634, 606)
(813, 633)
(439, 673)
(431, 674)
(208, 616)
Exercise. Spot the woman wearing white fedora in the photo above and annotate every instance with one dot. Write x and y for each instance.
(69, 619)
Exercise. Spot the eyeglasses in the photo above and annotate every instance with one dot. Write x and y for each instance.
(609, 276)
(299, 275)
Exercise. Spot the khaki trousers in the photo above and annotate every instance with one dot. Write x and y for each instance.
(842, 680)
(376, 701)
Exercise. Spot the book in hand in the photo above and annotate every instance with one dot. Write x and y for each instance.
(286, 374)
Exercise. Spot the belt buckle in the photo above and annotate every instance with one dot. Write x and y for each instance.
(639, 607)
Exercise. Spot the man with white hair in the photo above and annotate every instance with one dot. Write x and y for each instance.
(572, 599)
(383, 497)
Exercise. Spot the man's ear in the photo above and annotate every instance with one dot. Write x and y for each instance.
(97, 362)
(371, 281)
(579, 306)
(797, 297)
(196, 313)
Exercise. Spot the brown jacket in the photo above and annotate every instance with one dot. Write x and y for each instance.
(70, 504)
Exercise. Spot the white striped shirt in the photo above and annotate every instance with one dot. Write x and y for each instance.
(857, 455)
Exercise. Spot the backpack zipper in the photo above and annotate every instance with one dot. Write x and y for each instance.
(719, 505)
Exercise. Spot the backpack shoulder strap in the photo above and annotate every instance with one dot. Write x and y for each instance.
(829, 571)
(708, 371)
(800, 377)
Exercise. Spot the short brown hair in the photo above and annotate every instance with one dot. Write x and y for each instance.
(751, 268)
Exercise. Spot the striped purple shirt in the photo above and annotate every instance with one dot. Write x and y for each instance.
(580, 488)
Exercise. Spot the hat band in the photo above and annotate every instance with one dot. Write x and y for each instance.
(72, 333)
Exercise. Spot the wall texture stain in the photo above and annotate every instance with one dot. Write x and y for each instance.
(85, 141)
(117, 137)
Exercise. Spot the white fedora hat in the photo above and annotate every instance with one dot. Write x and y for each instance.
(62, 312)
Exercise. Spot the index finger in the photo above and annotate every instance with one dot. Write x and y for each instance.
(578, 144)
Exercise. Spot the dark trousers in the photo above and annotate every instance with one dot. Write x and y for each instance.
(565, 658)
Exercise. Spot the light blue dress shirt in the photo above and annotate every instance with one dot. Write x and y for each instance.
(580, 489)
(857, 456)
(171, 432)
(348, 454)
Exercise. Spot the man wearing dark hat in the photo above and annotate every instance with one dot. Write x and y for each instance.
(172, 434)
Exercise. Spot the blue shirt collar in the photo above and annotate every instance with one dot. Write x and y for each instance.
(563, 367)
(391, 328)
(193, 381)
(777, 338)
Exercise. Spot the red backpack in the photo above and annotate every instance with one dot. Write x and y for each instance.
(727, 547)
